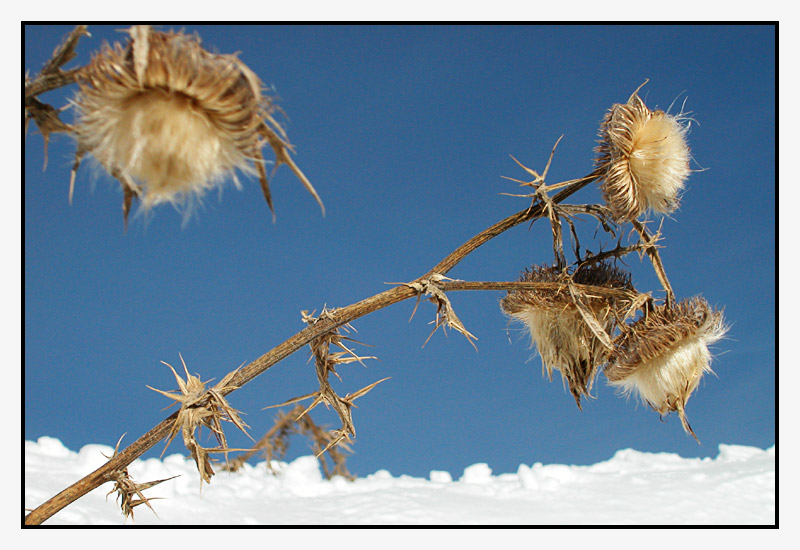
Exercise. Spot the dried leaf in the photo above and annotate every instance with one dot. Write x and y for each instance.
(202, 408)
(126, 488)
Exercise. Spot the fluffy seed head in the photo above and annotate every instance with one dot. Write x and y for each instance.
(171, 120)
(558, 330)
(663, 355)
(644, 159)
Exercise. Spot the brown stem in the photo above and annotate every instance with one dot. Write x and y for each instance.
(655, 258)
(617, 252)
(449, 286)
(304, 337)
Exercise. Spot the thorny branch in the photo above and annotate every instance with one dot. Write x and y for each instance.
(320, 327)
(202, 408)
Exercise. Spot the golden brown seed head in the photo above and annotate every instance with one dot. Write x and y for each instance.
(559, 332)
(664, 354)
(644, 159)
(171, 120)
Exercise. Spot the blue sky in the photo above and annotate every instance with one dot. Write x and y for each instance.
(405, 132)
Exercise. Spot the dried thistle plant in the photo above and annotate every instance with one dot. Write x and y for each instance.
(202, 408)
(129, 493)
(643, 158)
(170, 120)
(664, 354)
(569, 327)
(572, 312)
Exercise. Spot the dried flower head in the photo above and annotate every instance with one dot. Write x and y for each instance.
(664, 354)
(569, 327)
(170, 120)
(643, 158)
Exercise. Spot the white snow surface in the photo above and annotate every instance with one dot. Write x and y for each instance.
(631, 488)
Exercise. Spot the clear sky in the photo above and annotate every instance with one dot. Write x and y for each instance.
(405, 132)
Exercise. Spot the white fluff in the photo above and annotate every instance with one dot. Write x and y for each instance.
(659, 161)
(670, 378)
(164, 143)
(644, 159)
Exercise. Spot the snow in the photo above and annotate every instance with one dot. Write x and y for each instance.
(630, 488)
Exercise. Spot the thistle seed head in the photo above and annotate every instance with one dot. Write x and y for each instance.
(171, 120)
(559, 330)
(644, 159)
(664, 354)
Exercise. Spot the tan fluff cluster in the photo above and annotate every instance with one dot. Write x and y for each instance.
(558, 330)
(170, 120)
(663, 355)
(644, 159)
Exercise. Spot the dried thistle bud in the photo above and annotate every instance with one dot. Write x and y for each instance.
(171, 120)
(664, 354)
(557, 320)
(643, 158)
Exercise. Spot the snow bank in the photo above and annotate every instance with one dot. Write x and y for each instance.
(735, 488)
